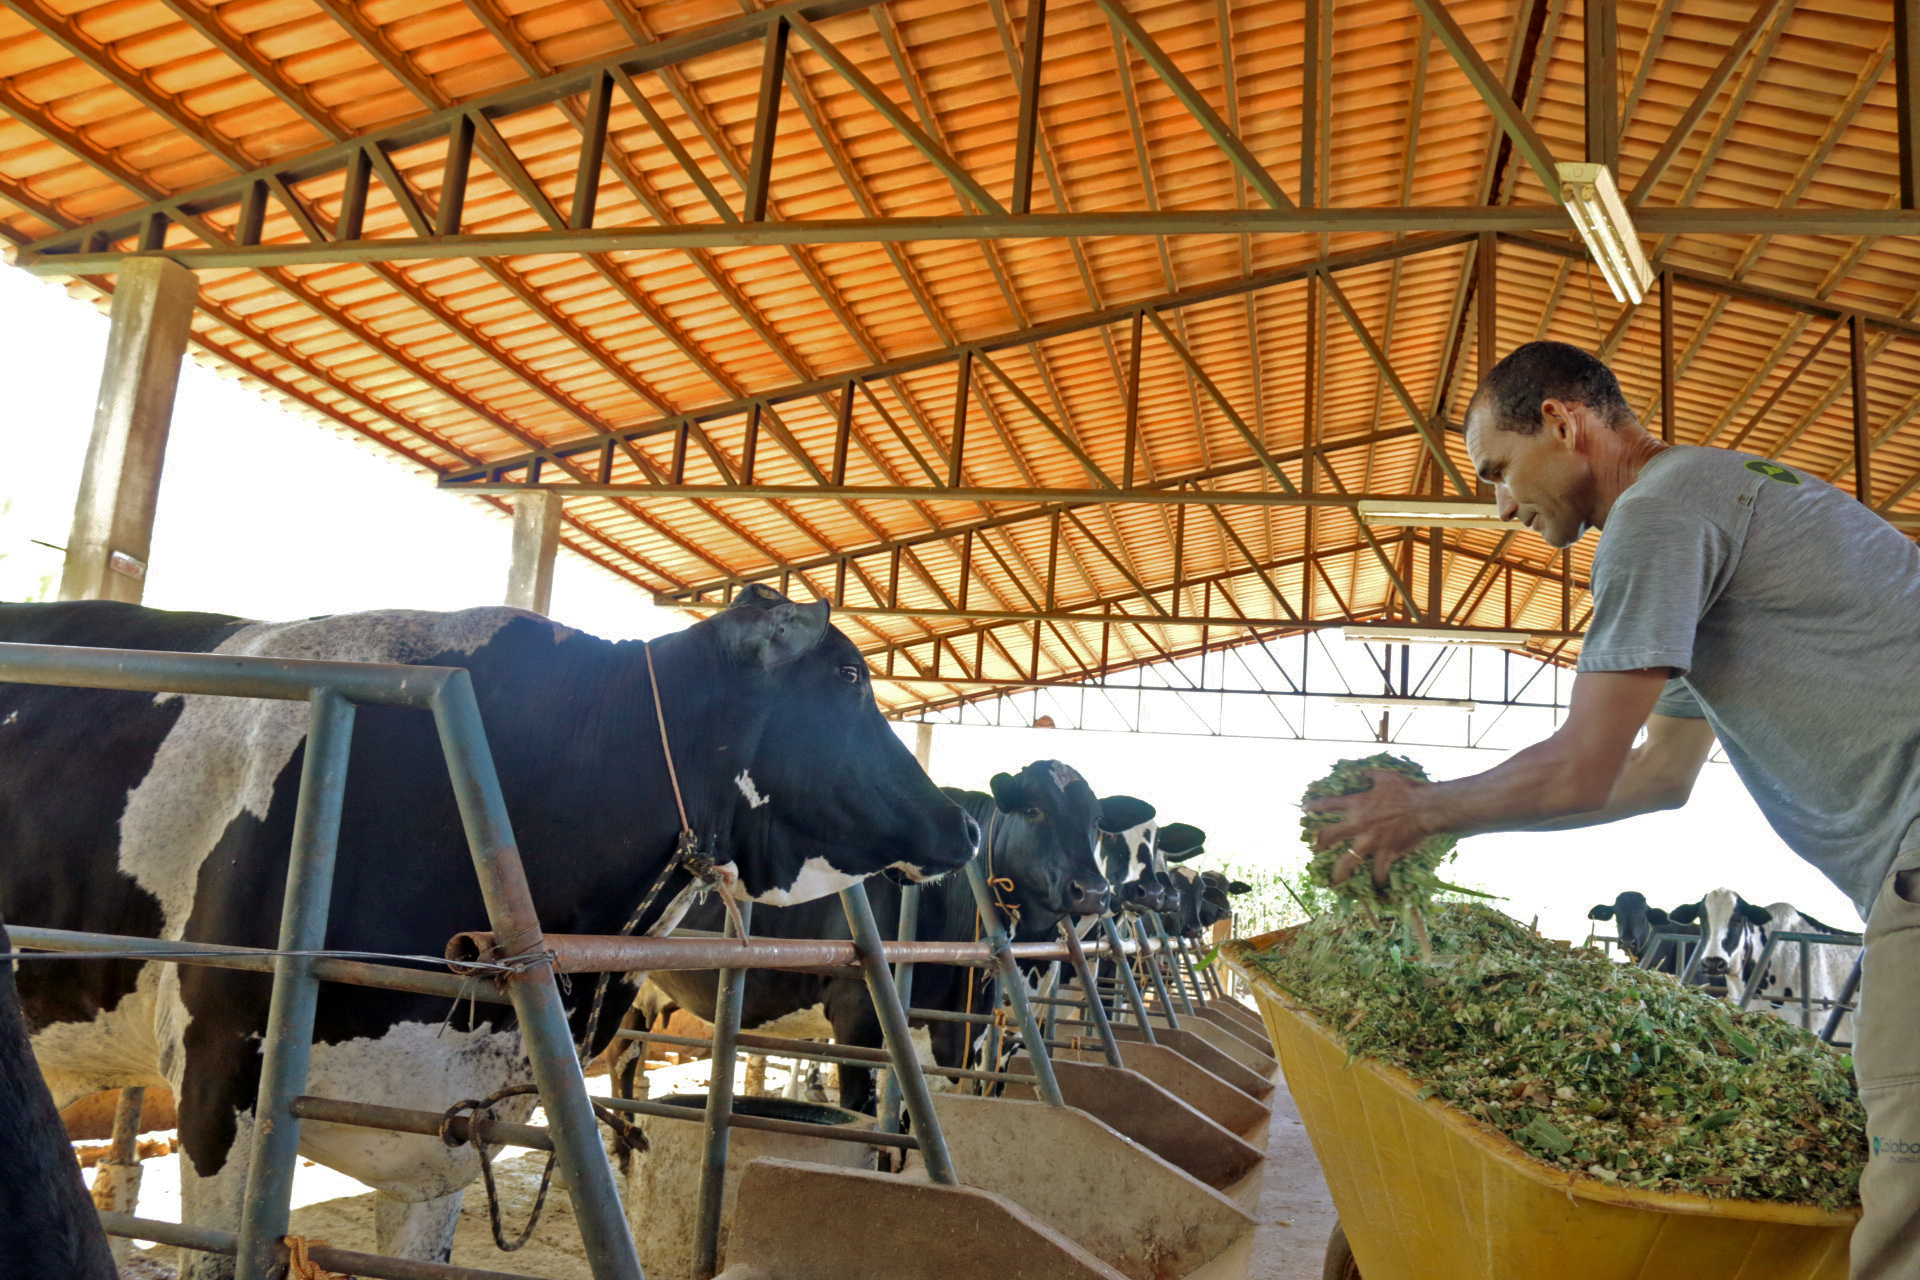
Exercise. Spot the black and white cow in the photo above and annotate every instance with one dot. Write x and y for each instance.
(171, 817)
(1635, 923)
(1043, 823)
(1736, 933)
(1128, 857)
(48, 1228)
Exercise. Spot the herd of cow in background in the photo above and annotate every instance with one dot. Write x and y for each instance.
(1720, 943)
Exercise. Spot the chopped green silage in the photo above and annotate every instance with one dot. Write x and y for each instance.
(1586, 1063)
(1412, 881)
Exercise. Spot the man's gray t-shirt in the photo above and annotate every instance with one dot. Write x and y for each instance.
(1790, 615)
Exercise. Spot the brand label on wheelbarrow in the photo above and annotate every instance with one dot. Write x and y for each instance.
(1898, 1150)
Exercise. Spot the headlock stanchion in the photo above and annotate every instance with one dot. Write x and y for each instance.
(1015, 985)
(889, 1118)
(1096, 1008)
(1164, 957)
(730, 986)
(332, 689)
(1124, 972)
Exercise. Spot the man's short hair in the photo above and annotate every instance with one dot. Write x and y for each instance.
(1541, 371)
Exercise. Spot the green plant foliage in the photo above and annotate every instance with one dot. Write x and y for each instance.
(1591, 1065)
(1411, 882)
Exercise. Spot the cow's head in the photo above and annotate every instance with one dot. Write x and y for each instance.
(1200, 899)
(1045, 833)
(1127, 834)
(1725, 919)
(816, 789)
(1634, 921)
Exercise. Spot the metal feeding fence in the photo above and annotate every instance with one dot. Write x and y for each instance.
(523, 974)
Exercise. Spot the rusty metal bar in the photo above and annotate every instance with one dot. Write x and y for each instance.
(367, 1265)
(1667, 414)
(813, 1051)
(1862, 409)
(766, 121)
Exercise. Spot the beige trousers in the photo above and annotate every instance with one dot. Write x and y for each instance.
(1886, 1061)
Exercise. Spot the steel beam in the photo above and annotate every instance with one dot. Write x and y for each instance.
(1862, 420)
(1531, 146)
(1690, 118)
(1906, 64)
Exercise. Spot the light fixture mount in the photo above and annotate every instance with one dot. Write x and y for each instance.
(1593, 199)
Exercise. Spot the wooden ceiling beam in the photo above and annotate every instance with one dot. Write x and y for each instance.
(1514, 122)
(206, 22)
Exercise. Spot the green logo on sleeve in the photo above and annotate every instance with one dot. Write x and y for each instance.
(1773, 471)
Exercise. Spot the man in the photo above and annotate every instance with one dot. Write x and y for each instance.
(1737, 598)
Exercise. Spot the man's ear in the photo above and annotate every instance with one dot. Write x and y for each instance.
(1006, 792)
(1600, 913)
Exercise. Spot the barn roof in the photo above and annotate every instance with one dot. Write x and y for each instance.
(1037, 376)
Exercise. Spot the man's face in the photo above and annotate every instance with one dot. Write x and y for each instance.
(1543, 480)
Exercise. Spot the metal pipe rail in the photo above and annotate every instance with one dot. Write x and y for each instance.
(369, 1266)
(609, 953)
(333, 691)
(359, 973)
(767, 1124)
(812, 1051)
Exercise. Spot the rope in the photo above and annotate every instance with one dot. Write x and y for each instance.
(301, 1267)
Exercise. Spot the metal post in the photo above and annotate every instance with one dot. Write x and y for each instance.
(713, 1170)
(1847, 993)
(1016, 986)
(909, 930)
(1191, 970)
(1051, 986)
(898, 1035)
(582, 1163)
(1127, 984)
(1151, 952)
(1164, 959)
(1096, 1008)
(288, 1044)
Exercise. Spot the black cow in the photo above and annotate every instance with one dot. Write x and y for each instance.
(171, 817)
(1635, 923)
(48, 1229)
(1043, 822)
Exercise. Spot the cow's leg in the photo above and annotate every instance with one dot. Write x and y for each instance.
(417, 1229)
(854, 1023)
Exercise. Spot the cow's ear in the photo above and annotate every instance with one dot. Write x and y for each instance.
(1239, 886)
(1601, 912)
(1124, 813)
(1180, 838)
(762, 628)
(1006, 792)
(1755, 914)
(1656, 915)
(1686, 914)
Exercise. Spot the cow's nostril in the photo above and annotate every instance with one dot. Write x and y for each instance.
(971, 826)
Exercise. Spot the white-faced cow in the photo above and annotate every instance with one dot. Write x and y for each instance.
(48, 1228)
(1128, 856)
(170, 817)
(1636, 923)
(1735, 934)
(1043, 822)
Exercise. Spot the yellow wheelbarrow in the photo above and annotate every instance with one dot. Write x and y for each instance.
(1426, 1193)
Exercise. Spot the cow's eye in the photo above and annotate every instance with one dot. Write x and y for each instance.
(850, 674)
(1033, 813)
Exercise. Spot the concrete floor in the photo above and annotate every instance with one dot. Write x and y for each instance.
(1295, 1212)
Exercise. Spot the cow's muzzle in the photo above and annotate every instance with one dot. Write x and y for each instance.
(1714, 966)
(1083, 900)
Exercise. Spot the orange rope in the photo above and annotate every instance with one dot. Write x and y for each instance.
(301, 1267)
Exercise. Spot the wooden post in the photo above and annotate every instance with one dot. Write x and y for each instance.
(536, 541)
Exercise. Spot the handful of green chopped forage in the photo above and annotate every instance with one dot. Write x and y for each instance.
(1411, 882)
(1590, 1065)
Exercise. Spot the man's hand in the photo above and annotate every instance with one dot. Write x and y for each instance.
(1381, 824)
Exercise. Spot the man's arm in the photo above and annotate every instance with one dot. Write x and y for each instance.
(1659, 773)
(1573, 772)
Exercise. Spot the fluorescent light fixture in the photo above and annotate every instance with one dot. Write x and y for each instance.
(1450, 515)
(1601, 215)
(1408, 704)
(1434, 635)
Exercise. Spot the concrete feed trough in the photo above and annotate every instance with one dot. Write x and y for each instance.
(662, 1188)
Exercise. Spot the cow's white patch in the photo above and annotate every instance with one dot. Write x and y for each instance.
(1143, 851)
(223, 755)
(754, 799)
(423, 1066)
(1063, 774)
(816, 879)
(802, 1024)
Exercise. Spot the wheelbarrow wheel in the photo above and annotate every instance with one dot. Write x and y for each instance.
(1340, 1264)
